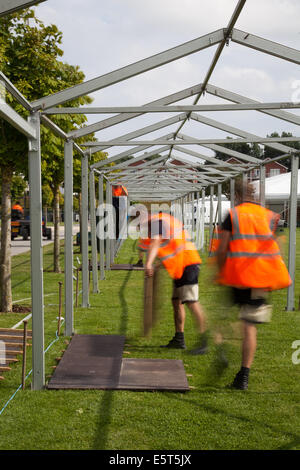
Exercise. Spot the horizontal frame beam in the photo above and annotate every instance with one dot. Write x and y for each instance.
(11, 116)
(131, 70)
(266, 46)
(174, 109)
(191, 141)
(10, 6)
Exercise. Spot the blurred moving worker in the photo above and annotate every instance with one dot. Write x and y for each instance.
(169, 242)
(249, 260)
(143, 246)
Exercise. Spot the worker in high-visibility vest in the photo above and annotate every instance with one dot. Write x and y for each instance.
(143, 246)
(250, 262)
(119, 190)
(120, 209)
(17, 207)
(169, 242)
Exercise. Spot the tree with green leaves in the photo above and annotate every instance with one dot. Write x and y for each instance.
(31, 61)
(273, 153)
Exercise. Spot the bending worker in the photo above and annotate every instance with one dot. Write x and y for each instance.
(168, 241)
(249, 261)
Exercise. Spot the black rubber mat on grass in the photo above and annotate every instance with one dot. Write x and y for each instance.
(90, 362)
(95, 362)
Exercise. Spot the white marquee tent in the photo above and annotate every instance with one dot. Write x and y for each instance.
(278, 188)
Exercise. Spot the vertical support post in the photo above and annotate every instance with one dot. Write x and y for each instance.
(245, 181)
(219, 204)
(108, 228)
(101, 215)
(292, 233)
(77, 287)
(193, 215)
(68, 219)
(93, 232)
(197, 215)
(262, 185)
(84, 234)
(24, 353)
(59, 307)
(202, 229)
(112, 229)
(211, 214)
(37, 288)
(232, 192)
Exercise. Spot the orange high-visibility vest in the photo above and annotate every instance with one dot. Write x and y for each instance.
(176, 251)
(119, 191)
(17, 207)
(215, 242)
(144, 243)
(254, 258)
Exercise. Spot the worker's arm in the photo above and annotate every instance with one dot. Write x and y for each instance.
(152, 254)
(223, 248)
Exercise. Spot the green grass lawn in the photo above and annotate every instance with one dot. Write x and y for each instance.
(209, 416)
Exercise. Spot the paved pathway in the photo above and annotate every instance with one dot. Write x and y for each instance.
(18, 245)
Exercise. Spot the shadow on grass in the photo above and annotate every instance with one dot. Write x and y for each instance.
(295, 439)
(124, 305)
(100, 438)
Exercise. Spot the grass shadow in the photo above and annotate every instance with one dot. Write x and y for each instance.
(295, 439)
(105, 411)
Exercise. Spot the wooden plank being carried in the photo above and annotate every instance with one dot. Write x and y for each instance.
(126, 267)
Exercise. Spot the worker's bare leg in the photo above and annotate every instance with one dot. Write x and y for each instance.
(199, 317)
(179, 315)
(198, 314)
(248, 352)
(179, 318)
(249, 343)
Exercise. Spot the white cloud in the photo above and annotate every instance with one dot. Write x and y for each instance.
(104, 36)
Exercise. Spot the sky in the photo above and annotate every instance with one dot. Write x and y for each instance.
(102, 36)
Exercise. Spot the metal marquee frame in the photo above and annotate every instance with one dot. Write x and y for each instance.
(158, 179)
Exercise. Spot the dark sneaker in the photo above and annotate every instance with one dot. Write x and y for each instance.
(240, 381)
(175, 343)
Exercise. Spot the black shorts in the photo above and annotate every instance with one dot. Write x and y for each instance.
(248, 297)
(189, 277)
(186, 289)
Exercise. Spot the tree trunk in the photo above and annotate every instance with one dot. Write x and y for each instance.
(56, 229)
(5, 253)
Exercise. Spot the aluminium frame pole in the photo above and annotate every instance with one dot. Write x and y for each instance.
(68, 221)
(193, 217)
(232, 193)
(84, 231)
(262, 185)
(112, 229)
(203, 220)
(107, 220)
(93, 232)
(292, 233)
(37, 288)
(219, 204)
(211, 214)
(101, 238)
